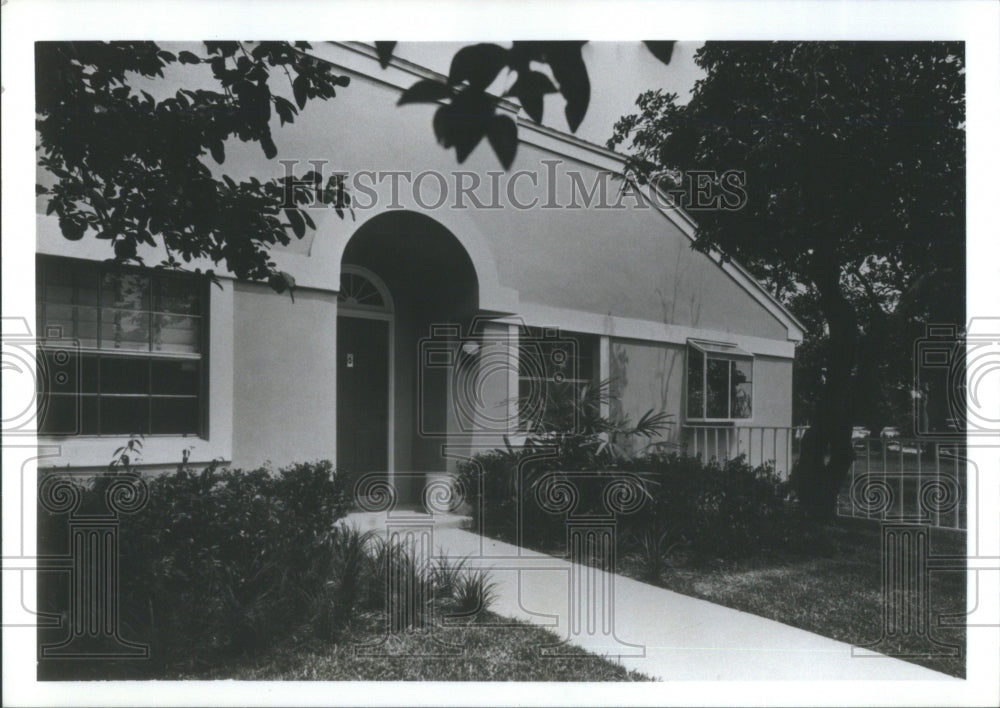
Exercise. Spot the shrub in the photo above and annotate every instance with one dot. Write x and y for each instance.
(447, 573)
(463, 591)
(714, 509)
(474, 593)
(334, 582)
(393, 568)
(504, 485)
(737, 509)
(653, 550)
(221, 561)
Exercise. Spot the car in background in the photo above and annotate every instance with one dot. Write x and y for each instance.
(859, 437)
(890, 438)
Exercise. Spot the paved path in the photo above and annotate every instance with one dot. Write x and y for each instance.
(659, 632)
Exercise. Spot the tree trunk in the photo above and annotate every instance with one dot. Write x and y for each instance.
(827, 453)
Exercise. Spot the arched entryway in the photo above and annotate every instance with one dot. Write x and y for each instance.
(404, 277)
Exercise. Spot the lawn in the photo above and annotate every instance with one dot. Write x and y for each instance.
(492, 649)
(837, 595)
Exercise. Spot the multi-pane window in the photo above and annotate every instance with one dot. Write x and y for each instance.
(553, 369)
(121, 351)
(719, 382)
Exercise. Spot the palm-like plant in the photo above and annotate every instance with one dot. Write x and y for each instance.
(571, 422)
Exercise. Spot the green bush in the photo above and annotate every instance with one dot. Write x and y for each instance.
(225, 562)
(220, 562)
(710, 509)
(714, 509)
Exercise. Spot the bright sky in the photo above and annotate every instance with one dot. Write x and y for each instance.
(619, 72)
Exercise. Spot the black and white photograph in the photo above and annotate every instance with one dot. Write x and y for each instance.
(501, 353)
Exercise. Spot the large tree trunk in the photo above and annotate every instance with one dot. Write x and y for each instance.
(827, 453)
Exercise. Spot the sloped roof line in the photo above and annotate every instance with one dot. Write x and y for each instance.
(594, 155)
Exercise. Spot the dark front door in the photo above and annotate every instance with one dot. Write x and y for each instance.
(362, 394)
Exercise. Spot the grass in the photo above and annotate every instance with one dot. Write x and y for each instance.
(489, 649)
(835, 592)
(838, 595)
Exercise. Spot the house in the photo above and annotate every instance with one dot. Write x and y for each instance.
(417, 325)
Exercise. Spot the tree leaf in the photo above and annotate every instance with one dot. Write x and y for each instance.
(570, 71)
(425, 91)
(384, 51)
(188, 58)
(125, 249)
(662, 50)
(286, 110)
(530, 89)
(282, 281)
(298, 224)
(462, 124)
(502, 134)
(478, 64)
(73, 229)
(270, 149)
(300, 87)
(218, 151)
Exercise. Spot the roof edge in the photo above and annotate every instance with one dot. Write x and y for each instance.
(566, 144)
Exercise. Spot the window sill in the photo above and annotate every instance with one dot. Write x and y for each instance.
(93, 451)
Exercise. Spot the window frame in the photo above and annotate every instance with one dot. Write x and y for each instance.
(552, 336)
(716, 351)
(200, 286)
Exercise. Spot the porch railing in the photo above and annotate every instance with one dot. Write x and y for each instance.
(777, 445)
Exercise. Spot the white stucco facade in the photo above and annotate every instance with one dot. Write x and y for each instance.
(626, 279)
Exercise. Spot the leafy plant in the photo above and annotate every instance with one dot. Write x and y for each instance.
(653, 550)
(474, 592)
(447, 573)
(219, 562)
(130, 169)
(572, 423)
(399, 584)
(336, 581)
(571, 436)
(470, 111)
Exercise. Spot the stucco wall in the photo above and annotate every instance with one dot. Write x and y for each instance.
(772, 394)
(273, 361)
(651, 376)
(629, 263)
(284, 376)
(647, 376)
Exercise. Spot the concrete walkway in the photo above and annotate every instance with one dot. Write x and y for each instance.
(656, 631)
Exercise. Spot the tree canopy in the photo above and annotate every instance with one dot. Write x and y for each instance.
(132, 169)
(854, 156)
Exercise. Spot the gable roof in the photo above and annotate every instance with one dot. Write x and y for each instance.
(362, 59)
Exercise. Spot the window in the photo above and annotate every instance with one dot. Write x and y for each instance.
(121, 351)
(719, 382)
(553, 369)
(360, 292)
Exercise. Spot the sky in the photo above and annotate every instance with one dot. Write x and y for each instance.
(619, 72)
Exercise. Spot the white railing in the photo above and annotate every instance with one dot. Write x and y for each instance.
(908, 481)
(774, 444)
